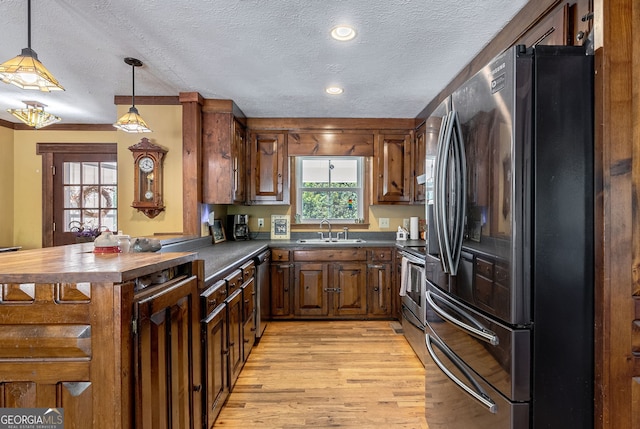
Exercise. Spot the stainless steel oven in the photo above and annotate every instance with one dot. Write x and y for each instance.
(413, 297)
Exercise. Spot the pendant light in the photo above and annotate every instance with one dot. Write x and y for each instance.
(132, 122)
(34, 115)
(26, 71)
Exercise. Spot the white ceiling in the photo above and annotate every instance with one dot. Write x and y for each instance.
(272, 57)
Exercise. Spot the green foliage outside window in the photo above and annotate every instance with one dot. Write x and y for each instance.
(334, 204)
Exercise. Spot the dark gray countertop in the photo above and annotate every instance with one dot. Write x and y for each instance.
(222, 258)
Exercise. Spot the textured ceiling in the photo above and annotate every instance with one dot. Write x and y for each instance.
(272, 57)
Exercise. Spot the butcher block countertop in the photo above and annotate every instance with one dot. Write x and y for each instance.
(77, 263)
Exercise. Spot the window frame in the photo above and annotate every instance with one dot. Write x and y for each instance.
(362, 191)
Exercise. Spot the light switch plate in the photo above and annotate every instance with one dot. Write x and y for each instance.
(383, 222)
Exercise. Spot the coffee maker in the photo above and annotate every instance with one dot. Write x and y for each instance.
(238, 227)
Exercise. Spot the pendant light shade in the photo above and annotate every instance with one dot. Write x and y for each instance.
(132, 122)
(26, 71)
(34, 115)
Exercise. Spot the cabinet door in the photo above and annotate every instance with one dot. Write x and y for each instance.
(215, 363)
(393, 168)
(379, 289)
(269, 182)
(248, 316)
(280, 289)
(236, 358)
(239, 163)
(165, 350)
(217, 158)
(350, 298)
(310, 297)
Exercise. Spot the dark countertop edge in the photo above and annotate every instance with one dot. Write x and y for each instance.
(236, 253)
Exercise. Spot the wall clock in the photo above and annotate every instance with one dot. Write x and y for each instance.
(147, 188)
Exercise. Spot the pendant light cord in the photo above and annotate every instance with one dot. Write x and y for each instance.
(133, 84)
(29, 24)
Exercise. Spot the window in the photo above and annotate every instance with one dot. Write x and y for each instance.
(329, 188)
(90, 192)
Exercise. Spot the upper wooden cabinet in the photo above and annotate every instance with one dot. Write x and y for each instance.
(392, 168)
(224, 165)
(567, 24)
(268, 178)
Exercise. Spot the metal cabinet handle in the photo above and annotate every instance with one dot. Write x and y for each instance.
(197, 388)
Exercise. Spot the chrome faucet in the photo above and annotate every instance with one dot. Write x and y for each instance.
(328, 224)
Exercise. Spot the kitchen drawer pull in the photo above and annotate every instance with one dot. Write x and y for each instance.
(481, 397)
(482, 333)
(376, 266)
(332, 289)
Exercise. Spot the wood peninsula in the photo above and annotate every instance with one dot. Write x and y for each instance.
(100, 334)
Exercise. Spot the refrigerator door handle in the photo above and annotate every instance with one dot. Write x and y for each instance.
(479, 332)
(441, 195)
(438, 192)
(481, 397)
(460, 192)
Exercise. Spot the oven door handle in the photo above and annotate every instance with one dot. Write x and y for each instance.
(481, 333)
(413, 259)
(481, 397)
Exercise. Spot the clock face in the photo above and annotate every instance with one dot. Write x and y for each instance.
(146, 164)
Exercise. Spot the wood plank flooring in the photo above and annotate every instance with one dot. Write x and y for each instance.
(328, 374)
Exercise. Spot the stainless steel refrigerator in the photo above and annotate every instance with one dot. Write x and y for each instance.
(510, 311)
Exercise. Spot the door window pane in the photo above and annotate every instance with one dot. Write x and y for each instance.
(90, 195)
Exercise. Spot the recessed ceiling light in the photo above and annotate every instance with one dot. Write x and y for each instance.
(343, 33)
(334, 90)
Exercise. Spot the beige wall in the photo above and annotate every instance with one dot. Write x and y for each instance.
(25, 193)
(395, 213)
(21, 182)
(6, 186)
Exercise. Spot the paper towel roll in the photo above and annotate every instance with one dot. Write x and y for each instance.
(414, 232)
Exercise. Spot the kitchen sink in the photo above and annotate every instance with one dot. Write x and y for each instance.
(330, 241)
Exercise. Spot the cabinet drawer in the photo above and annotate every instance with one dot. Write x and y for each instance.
(213, 297)
(330, 255)
(248, 270)
(380, 254)
(279, 255)
(234, 281)
(484, 268)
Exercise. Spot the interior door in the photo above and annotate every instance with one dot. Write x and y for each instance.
(91, 185)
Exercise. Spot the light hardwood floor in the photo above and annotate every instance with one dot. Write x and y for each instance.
(346, 374)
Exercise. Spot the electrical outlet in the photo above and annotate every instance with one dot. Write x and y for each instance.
(383, 222)
(260, 222)
(405, 224)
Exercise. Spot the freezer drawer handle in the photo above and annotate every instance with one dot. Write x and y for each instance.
(480, 397)
(483, 334)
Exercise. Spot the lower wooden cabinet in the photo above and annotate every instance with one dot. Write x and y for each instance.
(340, 283)
(281, 276)
(166, 357)
(350, 280)
(215, 364)
(111, 349)
(379, 283)
(234, 315)
(248, 316)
